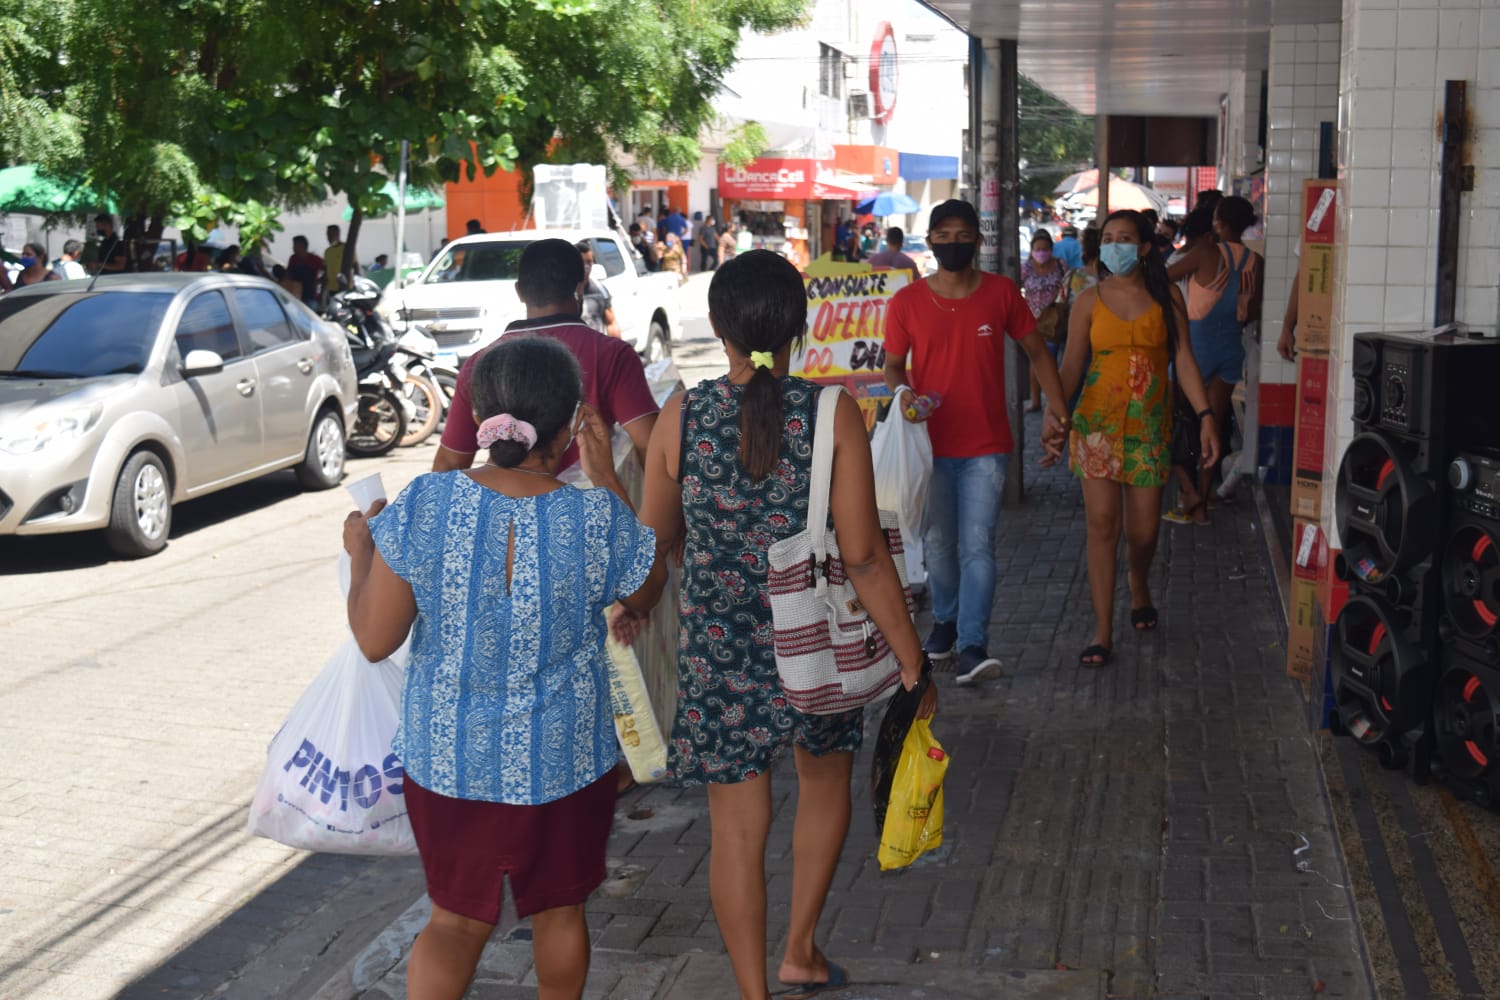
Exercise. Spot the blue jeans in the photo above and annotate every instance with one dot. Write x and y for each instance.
(963, 505)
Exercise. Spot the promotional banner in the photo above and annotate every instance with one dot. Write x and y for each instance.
(845, 342)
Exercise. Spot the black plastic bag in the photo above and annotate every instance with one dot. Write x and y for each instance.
(900, 713)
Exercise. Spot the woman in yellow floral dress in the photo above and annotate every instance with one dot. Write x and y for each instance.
(1130, 333)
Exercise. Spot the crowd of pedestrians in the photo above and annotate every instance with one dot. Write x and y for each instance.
(509, 581)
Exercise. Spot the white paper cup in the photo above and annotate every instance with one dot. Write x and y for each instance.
(366, 491)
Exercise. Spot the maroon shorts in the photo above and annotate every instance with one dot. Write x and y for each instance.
(553, 853)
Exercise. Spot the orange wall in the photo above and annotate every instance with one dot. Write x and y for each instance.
(495, 201)
(676, 192)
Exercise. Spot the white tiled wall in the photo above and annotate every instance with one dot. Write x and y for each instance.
(1303, 91)
(1396, 56)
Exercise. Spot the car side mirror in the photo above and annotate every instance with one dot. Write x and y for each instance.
(201, 362)
(596, 272)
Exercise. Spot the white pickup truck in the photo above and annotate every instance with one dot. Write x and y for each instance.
(466, 296)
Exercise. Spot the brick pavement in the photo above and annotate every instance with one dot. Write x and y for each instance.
(1157, 828)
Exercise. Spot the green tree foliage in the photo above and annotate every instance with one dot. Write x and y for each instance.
(185, 108)
(1055, 141)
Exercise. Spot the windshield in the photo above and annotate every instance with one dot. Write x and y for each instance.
(79, 336)
(914, 244)
(478, 262)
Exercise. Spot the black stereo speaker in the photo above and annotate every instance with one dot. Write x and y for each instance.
(1466, 705)
(1417, 400)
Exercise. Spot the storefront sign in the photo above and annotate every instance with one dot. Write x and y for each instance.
(845, 342)
(883, 72)
(769, 177)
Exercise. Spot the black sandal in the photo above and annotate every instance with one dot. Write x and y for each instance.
(1095, 656)
(1144, 619)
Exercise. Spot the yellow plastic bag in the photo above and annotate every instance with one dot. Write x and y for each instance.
(914, 820)
(635, 721)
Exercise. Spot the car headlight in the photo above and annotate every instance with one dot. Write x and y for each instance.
(55, 428)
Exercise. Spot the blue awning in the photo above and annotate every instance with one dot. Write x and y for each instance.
(923, 167)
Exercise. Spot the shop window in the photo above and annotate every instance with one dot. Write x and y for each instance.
(830, 71)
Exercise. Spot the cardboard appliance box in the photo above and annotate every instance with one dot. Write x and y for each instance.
(1309, 564)
(1315, 268)
(1308, 457)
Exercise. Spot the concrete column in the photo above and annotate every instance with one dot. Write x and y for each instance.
(1101, 157)
(1000, 221)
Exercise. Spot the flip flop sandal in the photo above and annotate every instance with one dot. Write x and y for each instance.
(1144, 619)
(1095, 656)
(837, 980)
(1178, 516)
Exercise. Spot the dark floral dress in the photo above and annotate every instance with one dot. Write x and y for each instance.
(732, 719)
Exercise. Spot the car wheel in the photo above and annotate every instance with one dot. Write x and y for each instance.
(140, 515)
(322, 466)
(658, 346)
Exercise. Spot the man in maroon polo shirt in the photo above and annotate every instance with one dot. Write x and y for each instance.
(551, 283)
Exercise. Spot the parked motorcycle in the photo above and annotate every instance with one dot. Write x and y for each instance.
(390, 366)
(427, 363)
(381, 414)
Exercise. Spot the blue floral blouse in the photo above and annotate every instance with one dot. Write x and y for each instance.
(506, 697)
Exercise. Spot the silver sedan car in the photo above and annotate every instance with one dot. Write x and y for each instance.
(122, 396)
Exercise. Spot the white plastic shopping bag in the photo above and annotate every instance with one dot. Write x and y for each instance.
(902, 455)
(331, 782)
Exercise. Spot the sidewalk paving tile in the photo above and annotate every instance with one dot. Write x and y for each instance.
(1156, 828)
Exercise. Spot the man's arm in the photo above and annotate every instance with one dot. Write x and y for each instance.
(640, 430)
(629, 397)
(448, 460)
(1286, 344)
(611, 325)
(460, 441)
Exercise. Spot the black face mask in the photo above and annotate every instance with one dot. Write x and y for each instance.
(954, 256)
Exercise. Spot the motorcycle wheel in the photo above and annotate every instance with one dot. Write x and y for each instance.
(379, 423)
(427, 409)
(447, 388)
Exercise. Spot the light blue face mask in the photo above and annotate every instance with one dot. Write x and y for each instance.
(1120, 258)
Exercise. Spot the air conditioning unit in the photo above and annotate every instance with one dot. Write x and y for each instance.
(859, 104)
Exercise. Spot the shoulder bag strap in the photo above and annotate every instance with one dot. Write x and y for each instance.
(822, 475)
(682, 415)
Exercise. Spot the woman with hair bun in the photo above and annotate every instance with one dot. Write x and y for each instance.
(503, 574)
(1127, 331)
(728, 473)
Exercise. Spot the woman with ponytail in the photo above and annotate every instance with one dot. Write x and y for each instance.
(1128, 331)
(503, 574)
(727, 474)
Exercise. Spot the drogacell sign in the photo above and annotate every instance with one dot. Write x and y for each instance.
(785, 180)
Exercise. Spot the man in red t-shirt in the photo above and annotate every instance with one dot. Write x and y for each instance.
(954, 326)
(550, 282)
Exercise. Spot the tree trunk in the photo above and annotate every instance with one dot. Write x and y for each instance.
(347, 267)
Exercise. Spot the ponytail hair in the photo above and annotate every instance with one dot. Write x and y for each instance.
(758, 304)
(1158, 285)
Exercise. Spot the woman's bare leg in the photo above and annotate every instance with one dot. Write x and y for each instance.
(739, 817)
(444, 956)
(560, 952)
(1101, 503)
(823, 808)
(1142, 527)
